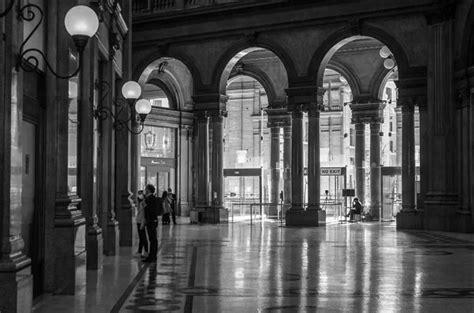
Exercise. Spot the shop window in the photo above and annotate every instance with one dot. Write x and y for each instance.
(158, 142)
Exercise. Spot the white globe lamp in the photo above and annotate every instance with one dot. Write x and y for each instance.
(81, 23)
(143, 108)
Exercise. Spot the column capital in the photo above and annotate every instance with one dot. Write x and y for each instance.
(201, 116)
(217, 114)
(278, 117)
(369, 112)
(310, 97)
(210, 102)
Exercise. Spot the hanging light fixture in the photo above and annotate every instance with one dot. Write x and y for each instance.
(81, 23)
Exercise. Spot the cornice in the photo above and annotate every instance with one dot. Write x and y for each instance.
(178, 20)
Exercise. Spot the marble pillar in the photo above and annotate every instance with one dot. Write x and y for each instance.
(314, 163)
(375, 171)
(87, 144)
(16, 281)
(360, 161)
(275, 168)
(202, 159)
(408, 158)
(297, 159)
(217, 121)
(287, 164)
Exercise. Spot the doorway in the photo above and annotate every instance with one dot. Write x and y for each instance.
(31, 227)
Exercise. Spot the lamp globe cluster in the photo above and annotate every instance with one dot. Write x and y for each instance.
(132, 91)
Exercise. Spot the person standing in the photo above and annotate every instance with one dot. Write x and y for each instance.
(166, 208)
(172, 198)
(151, 221)
(142, 240)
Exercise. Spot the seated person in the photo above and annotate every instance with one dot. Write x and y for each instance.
(356, 208)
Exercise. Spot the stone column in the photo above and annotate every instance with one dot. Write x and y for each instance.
(87, 144)
(202, 121)
(16, 281)
(274, 166)
(217, 121)
(314, 163)
(297, 158)
(184, 185)
(442, 199)
(375, 171)
(360, 161)
(408, 157)
(124, 203)
(287, 163)
(398, 130)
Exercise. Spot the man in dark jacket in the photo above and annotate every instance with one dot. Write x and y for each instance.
(151, 221)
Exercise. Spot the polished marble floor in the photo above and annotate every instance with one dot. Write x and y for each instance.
(238, 267)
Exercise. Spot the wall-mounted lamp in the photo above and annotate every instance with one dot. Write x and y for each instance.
(131, 92)
(81, 23)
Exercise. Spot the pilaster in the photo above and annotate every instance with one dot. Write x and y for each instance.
(16, 281)
(442, 198)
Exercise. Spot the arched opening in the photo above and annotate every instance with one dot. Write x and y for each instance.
(168, 84)
(370, 158)
(247, 142)
(255, 81)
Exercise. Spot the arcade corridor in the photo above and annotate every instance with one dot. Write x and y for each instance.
(363, 267)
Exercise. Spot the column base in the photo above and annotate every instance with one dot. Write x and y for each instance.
(441, 213)
(125, 220)
(209, 215)
(16, 290)
(185, 209)
(112, 238)
(410, 219)
(95, 248)
(70, 250)
(374, 213)
(297, 217)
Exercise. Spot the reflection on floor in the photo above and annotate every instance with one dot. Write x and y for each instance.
(363, 267)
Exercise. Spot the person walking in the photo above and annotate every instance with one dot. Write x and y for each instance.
(172, 198)
(166, 208)
(151, 222)
(140, 218)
